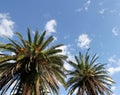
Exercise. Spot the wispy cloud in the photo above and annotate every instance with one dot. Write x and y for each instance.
(55, 38)
(113, 88)
(79, 10)
(114, 60)
(67, 52)
(114, 11)
(66, 37)
(102, 11)
(114, 65)
(50, 26)
(87, 4)
(6, 25)
(83, 41)
(116, 30)
(113, 70)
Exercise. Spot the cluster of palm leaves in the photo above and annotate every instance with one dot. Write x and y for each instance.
(33, 67)
(88, 77)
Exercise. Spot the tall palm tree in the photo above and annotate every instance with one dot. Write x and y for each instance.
(34, 68)
(88, 77)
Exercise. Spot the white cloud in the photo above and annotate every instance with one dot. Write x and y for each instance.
(50, 26)
(114, 60)
(114, 66)
(79, 10)
(87, 4)
(109, 11)
(66, 51)
(113, 94)
(116, 30)
(113, 88)
(55, 38)
(114, 11)
(113, 70)
(66, 37)
(6, 25)
(102, 11)
(84, 41)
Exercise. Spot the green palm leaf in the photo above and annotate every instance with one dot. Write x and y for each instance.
(41, 38)
(29, 36)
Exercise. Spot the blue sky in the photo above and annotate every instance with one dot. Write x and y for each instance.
(79, 24)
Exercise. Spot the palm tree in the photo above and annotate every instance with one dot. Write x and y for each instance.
(88, 77)
(34, 68)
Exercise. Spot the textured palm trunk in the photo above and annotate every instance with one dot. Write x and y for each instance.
(38, 86)
(27, 89)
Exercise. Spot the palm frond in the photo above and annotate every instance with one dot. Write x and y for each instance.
(41, 38)
(47, 42)
(36, 37)
(29, 36)
(21, 38)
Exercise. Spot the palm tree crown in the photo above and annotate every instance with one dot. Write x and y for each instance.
(35, 68)
(88, 77)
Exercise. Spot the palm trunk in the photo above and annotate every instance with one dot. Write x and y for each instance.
(28, 85)
(37, 86)
(27, 89)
